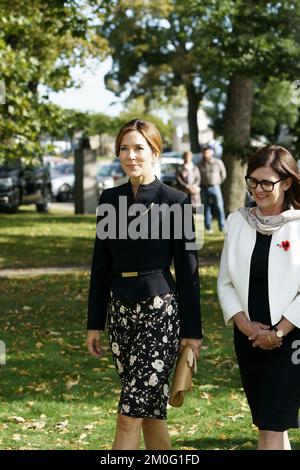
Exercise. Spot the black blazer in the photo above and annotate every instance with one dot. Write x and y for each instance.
(112, 256)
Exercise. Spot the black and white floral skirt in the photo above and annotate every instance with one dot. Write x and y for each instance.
(144, 339)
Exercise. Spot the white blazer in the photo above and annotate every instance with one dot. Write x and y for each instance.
(284, 270)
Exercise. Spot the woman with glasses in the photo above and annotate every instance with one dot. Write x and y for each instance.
(259, 292)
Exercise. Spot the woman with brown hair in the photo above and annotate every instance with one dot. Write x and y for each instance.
(149, 315)
(259, 291)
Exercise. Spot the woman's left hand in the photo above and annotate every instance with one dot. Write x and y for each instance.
(265, 339)
(194, 343)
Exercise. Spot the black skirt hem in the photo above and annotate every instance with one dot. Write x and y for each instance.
(142, 415)
(275, 428)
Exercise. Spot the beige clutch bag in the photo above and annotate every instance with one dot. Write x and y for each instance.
(182, 379)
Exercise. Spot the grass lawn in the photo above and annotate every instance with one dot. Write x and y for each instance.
(53, 395)
(30, 239)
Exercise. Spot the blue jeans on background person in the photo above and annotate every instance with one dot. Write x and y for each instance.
(212, 196)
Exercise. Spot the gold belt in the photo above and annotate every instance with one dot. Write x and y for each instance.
(129, 274)
(140, 273)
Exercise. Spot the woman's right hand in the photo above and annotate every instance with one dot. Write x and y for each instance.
(93, 342)
(248, 327)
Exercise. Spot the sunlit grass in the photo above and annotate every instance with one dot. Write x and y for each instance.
(30, 239)
(53, 395)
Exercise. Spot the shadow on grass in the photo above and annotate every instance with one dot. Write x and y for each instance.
(30, 239)
(39, 251)
(23, 219)
(211, 248)
(212, 443)
(226, 443)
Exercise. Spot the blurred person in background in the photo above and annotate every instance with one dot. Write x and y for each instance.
(213, 174)
(188, 179)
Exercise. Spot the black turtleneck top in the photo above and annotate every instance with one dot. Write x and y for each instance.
(116, 254)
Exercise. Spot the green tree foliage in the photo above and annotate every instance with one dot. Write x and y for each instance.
(253, 42)
(136, 108)
(273, 107)
(72, 124)
(151, 44)
(157, 46)
(39, 43)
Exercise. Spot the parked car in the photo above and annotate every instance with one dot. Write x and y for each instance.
(63, 181)
(120, 176)
(110, 175)
(24, 184)
(104, 177)
(52, 161)
(168, 168)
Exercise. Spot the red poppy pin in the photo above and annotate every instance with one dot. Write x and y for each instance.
(285, 245)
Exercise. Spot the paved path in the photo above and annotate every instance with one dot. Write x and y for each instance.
(31, 272)
(62, 206)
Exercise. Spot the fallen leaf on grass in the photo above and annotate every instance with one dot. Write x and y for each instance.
(41, 387)
(205, 396)
(72, 381)
(247, 444)
(34, 425)
(174, 431)
(88, 427)
(72, 347)
(208, 386)
(192, 429)
(68, 396)
(62, 424)
(17, 419)
(235, 417)
(105, 446)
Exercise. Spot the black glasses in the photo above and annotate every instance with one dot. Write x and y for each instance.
(265, 185)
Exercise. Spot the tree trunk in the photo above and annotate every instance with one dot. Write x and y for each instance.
(194, 99)
(237, 126)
